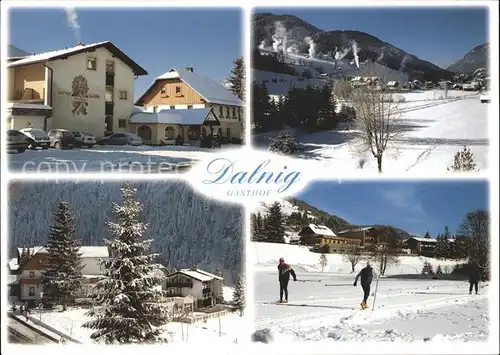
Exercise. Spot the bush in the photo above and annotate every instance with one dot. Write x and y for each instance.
(236, 141)
(283, 144)
(438, 270)
(463, 161)
(427, 269)
(347, 114)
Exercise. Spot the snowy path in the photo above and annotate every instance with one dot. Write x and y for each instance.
(318, 312)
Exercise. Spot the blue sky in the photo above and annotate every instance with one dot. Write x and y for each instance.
(439, 35)
(157, 39)
(416, 207)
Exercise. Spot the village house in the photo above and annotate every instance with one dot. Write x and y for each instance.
(83, 88)
(33, 266)
(319, 235)
(366, 235)
(202, 286)
(187, 104)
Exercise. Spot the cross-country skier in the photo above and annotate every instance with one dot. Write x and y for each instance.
(474, 277)
(284, 272)
(366, 275)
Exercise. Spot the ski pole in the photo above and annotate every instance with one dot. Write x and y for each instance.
(338, 285)
(375, 295)
(309, 280)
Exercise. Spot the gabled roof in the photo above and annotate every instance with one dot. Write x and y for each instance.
(192, 116)
(197, 274)
(418, 239)
(320, 230)
(65, 53)
(85, 251)
(210, 90)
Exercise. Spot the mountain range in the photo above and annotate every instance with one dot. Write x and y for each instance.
(368, 47)
(476, 58)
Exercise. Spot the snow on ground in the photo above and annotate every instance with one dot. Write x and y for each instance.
(144, 159)
(324, 306)
(434, 130)
(266, 257)
(205, 332)
(227, 293)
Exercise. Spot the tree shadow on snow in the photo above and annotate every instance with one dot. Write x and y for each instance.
(442, 141)
(309, 305)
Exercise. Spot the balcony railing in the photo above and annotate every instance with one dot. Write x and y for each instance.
(29, 96)
(180, 284)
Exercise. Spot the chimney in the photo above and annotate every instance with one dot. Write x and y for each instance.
(80, 44)
(189, 69)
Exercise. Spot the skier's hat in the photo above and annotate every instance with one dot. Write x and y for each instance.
(282, 260)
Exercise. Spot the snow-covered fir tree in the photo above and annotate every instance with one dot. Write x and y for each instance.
(239, 293)
(275, 224)
(62, 278)
(128, 297)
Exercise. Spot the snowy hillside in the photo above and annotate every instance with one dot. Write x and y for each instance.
(266, 257)
(280, 84)
(188, 229)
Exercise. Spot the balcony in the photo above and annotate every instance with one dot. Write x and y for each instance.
(29, 96)
(179, 284)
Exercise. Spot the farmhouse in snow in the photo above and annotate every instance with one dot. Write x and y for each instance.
(319, 235)
(202, 286)
(420, 245)
(186, 104)
(30, 263)
(83, 88)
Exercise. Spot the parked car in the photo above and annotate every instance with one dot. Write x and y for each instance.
(84, 139)
(485, 98)
(37, 138)
(121, 139)
(61, 138)
(17, 140)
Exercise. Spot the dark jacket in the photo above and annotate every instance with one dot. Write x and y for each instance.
(475, 273)
(284, 272)
(366, 275)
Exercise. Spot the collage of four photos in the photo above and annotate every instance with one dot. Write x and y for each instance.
(389, 106)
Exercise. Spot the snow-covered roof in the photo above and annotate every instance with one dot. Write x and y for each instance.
(192, 116)
(13, 265)
(197, 274)
(86, 251)
(321, 230)
(94, 252)
(11, 279)
(80, 48)
(210, 90)
(392, 83)
(418, 239)
(355, 230)
(15, 52)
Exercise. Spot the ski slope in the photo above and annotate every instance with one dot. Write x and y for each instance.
(434, 129)
(324, 305)
(408, 311)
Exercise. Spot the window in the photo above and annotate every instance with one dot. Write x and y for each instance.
(108, 108)
(169, 133)
(110, 66)
(155, 108)
(172, 107)
(91, 63)
(163, 92)
(177, 89)
(227, 112)
(108, 121)
(31, 291)
(228, 132)
(32, 274)
(109, 94)
(123, 94)
(220, 111)
(190, 106)
(234, 112)
(122, 123)
(110, 79)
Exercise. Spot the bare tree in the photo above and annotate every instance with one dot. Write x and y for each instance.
(476, 226)
(352, 255)
(323, 261)
(342, 90)
(377, 119)
(385, 251)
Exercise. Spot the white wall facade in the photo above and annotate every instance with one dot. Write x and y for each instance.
(65, 70)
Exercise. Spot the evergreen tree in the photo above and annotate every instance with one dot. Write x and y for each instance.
(239, 294)
(275, 224)
(220, 294)
(62, 278)
(130, 308)
(237, 78)
(439, 270)
(463, 161)
(427, 235)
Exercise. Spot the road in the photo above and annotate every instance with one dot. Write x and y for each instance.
(23, 333)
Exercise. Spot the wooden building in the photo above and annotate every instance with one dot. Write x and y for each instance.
(187, 90)
(366, 235)
(420, 245)
(319, 235)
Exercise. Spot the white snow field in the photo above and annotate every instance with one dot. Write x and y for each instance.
(324, 307)
(206, 332)
(434, 129)
(145, 159)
